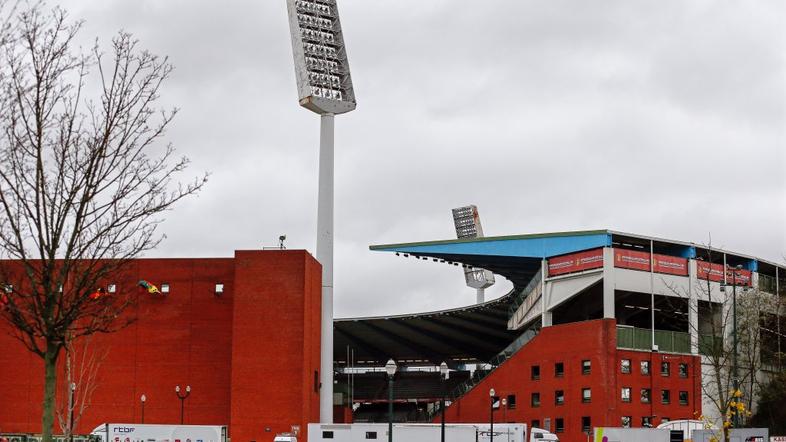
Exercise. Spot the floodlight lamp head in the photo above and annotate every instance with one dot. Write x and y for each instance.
(321, 67)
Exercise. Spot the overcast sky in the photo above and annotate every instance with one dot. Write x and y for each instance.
(658, 118)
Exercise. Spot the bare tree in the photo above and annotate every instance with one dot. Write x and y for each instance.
(715, 322)
(83, 183)
(82, 363)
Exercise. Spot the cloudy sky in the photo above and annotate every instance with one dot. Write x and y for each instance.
(659, 118)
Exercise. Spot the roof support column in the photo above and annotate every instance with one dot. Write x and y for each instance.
(693, 308)
(545, 297)
(608, 283)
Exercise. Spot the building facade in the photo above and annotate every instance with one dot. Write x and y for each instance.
(242, 332)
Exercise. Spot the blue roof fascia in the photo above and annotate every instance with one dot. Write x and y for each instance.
(539, 247)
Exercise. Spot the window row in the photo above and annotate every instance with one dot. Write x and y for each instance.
(646, 421)
(559, 369)
(645, 369)
(665, 396)
(559, 424)
(112, 288)
(559, 397)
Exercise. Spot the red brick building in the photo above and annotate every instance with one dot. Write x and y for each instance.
(242, 332)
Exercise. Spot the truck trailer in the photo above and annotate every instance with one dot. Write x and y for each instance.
(160, 433)
(416, 432)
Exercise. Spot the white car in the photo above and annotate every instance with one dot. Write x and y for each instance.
(541, 435)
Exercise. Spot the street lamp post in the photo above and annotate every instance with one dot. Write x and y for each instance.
(491, 413)
(735, 380)
(182, 398)
(443, 375)
(390, 369)
(143, 399)
(71, 413)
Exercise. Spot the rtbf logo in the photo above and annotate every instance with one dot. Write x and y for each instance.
(123, 429)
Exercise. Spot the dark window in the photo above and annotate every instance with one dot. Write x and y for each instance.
(645, 395)
(535, 423)
(586, 395)
(586, 366)
(683, 398)
(665, 396)
(559, 369)
(586, 424)
(371, 434)
(559, 397)
(559, 425)
(625, 394)
(327, 435)
(625, 366)
(547, 424)
(646, 421)
(645, 368)
(536, 399)
(665, 368)
(512, 401)
(683, 370)
(535, 372)
(625, 421)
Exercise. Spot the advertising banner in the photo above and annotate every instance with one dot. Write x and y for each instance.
(576, 262)
(636, 260)
(705, 270)
(743, 277)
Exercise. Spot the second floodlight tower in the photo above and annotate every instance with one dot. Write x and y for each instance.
(324, 86)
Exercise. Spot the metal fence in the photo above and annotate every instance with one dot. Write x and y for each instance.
(641, 339)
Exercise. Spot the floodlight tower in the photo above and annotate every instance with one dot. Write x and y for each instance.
(324, 86)
(467, 222)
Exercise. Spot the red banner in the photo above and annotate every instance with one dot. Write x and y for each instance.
(633, 259)
(673, 265)
(743, 277)
(591, 259)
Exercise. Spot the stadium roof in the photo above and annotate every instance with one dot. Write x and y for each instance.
(479, 332)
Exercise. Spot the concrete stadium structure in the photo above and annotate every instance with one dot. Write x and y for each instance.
(570, 347)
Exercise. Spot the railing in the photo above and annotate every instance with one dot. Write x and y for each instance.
(767, 284)
(641, 339)
(480, 374)
(710, 345)
(524, 293)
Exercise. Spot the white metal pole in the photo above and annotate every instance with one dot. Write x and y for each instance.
(480, 296)
(325, 257)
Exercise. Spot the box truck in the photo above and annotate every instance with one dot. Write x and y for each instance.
(418, 432)
(160, 433)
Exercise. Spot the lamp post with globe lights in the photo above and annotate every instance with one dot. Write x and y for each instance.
(492, 394)
(182, 398)
(390, 369)
(143, 399)
(443, 375)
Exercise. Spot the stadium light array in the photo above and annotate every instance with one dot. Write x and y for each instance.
(324, 86)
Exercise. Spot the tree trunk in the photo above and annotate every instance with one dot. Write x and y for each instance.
(50, 383)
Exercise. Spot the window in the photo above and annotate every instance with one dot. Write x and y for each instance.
(535, 423)
(327, 435)
(535, 372)
(625, 394)
(665, 368)
(625, 366)
(645, 395)
(665, 419)
(683, 370)
(535, 399)
(683, 398)
(547, 424)
(625, 421)
(559, 425)
(8, 288)
(646, 421)
(220, 289)
(111, 288)
(665, 396)
(512, 401)
(559, 369)
(165, 287)
(371, 434)
(586, 424)
(645, 368)
(559, 397)
(586, 395)
(586, 366)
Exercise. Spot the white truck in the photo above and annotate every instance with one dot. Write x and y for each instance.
(426, 433)
(160, 433)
